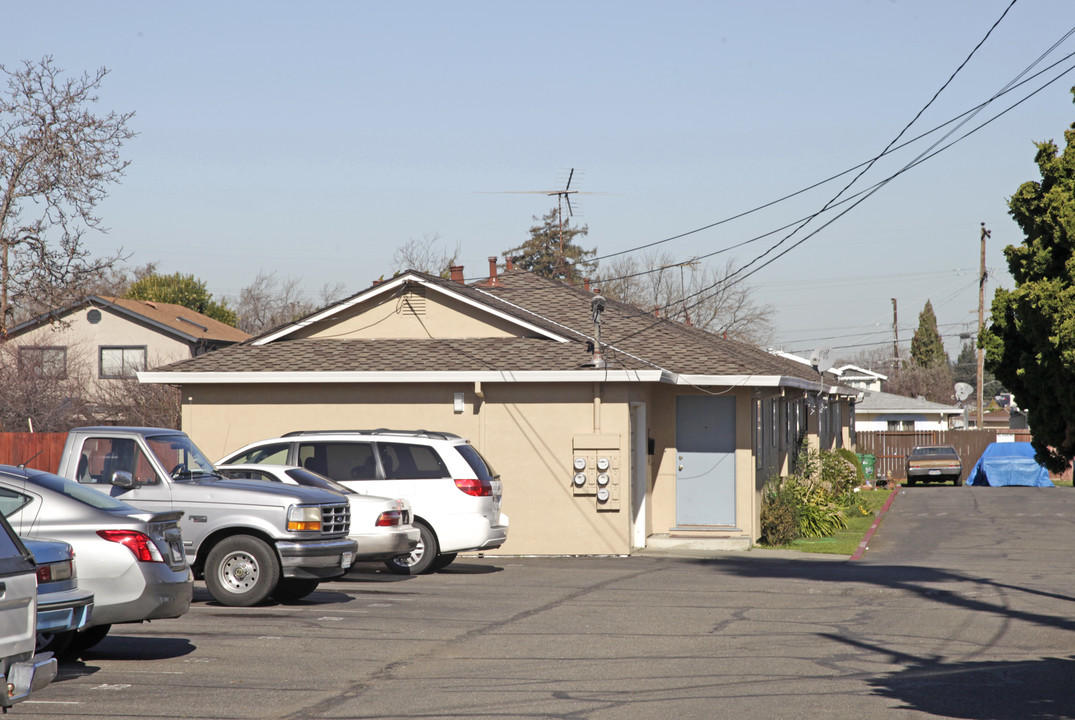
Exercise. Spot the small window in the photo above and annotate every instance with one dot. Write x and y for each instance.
(11, 501)
(339, 460)
(477, 463)
(43, 361)
(122, 362)
(272, 454)
(404, 461)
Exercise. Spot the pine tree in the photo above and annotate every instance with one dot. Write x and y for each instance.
(542, 254)
(927, 348)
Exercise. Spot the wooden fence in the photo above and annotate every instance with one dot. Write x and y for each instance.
(890, 447)
(40, 451)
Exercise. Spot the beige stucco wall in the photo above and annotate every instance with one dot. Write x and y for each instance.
(663, 431)
(83, 341)
(525, 431)
(528, 432)
(412, 316)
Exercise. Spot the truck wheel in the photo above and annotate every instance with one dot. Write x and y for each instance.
(292, 589)
(54, 642)
(420, 560)
(241, 571)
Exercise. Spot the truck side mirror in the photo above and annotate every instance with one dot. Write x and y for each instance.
(123, 479)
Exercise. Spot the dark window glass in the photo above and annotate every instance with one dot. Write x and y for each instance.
(405, 461)
(339, 460)
(477, 463)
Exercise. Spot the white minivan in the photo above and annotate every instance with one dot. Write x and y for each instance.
(453, 492)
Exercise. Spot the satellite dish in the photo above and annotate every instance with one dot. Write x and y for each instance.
(821, 359)
(963, 391)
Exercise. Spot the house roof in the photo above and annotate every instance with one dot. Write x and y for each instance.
(175, 320)
(554, 321)
(854, 371)
(882, 402)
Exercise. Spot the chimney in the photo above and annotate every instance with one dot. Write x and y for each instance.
(509, 263)
(492, 270)
(456, 273)
(586, 284)
(657, 310)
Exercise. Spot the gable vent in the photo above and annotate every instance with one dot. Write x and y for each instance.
(414, 302)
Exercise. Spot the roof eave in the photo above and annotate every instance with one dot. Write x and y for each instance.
(275, 378)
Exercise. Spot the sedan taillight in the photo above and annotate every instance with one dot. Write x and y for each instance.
(474, 486)
(389, 519)
(138, 543)
(51, 572)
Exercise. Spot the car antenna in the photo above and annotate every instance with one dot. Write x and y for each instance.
(22, 465)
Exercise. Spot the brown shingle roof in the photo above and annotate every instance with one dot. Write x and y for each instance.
(181, 319)
(631, 340)
(392, 355)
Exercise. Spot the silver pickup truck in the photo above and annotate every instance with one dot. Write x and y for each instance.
(249, 540)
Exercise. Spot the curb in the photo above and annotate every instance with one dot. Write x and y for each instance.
(861, 549)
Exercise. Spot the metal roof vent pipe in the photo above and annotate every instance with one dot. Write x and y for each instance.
(597, 306)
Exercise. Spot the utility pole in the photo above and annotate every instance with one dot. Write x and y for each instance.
(895, 338)
(982, 275)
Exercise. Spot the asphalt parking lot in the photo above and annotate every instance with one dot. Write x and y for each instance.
(962, 607)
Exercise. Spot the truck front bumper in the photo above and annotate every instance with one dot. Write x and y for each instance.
(316, 558)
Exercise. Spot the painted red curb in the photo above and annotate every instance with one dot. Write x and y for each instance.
(861, 549)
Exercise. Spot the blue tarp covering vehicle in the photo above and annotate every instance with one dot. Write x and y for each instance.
(1009, 463)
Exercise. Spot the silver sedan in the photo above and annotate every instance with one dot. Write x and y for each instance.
(131, 560)
(381, 526)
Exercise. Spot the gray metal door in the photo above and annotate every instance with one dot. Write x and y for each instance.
(705, 460)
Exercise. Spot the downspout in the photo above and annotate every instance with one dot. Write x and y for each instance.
(479, 393)
(597, 408)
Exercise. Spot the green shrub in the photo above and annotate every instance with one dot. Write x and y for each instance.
(812, 502)
(779, 521)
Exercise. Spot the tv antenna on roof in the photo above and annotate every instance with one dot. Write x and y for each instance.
(562, 197)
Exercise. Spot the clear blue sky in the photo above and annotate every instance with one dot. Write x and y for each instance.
(313, 138)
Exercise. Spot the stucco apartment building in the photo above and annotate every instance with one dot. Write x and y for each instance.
(691, 425)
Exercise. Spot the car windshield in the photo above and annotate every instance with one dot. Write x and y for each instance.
(83, 494)
(180, 456)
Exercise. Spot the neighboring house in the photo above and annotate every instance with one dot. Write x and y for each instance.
(885, 411)
(111, 338)
(861, 378)
(691, 425)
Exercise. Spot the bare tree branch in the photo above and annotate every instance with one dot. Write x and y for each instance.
(57, 161)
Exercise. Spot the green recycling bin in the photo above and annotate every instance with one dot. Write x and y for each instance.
(868, 463)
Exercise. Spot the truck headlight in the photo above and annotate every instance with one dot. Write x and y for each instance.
(304, 518)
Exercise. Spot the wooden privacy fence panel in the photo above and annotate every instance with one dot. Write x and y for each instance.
(40, 451)
(890, 447)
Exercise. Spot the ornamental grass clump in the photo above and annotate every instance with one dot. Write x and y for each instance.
(813, 501)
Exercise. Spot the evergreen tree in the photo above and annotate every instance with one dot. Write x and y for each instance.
(1030, 343)
(927, 348)
(541, 254)
(184, 290)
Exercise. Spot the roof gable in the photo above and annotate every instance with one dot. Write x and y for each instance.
(175, 321)
(412, 305)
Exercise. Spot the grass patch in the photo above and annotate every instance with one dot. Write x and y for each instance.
(844, 542)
